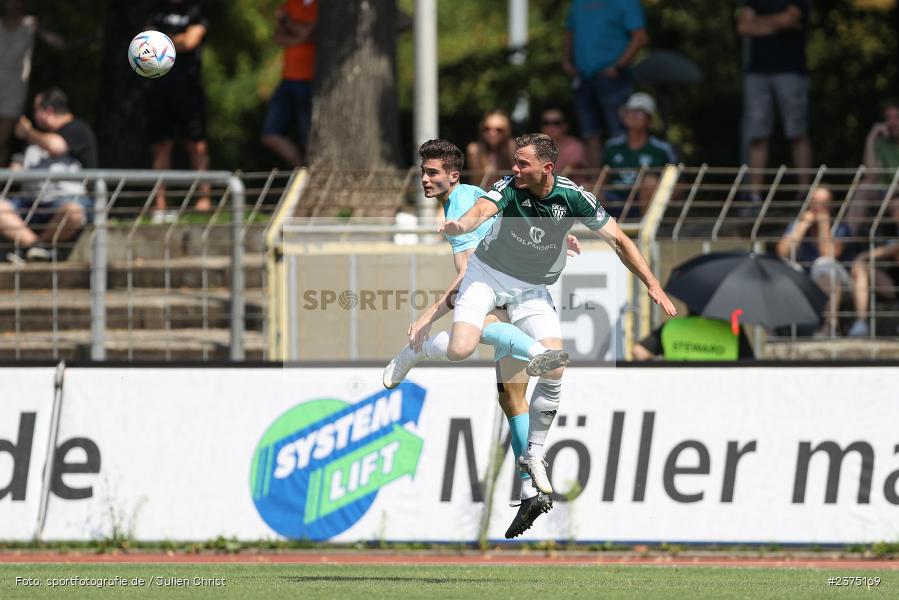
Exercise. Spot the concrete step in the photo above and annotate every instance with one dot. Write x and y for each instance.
(183, 240)
(145, 273)
(180, 344)
(837, 349)
(142, 309)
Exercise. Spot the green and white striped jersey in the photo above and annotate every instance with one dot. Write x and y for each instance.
(527, 240)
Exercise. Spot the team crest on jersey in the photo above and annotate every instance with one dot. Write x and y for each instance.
(558, 211)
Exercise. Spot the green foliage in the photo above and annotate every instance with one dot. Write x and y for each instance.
(851, 55)
(241, 68)
(77, 69)
(852, 50)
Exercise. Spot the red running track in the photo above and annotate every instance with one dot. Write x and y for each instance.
(494, 558)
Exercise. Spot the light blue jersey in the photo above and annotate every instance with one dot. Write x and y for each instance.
(459, 203)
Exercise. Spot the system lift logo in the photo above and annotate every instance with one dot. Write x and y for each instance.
(318, 468)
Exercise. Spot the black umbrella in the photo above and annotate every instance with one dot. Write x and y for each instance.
(769, 291)
(665, 66)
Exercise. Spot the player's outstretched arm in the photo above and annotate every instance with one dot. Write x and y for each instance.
(633, 260)
(482, 210)
(419, 329)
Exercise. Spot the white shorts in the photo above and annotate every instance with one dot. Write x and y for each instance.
(833, 272)
(529, 305)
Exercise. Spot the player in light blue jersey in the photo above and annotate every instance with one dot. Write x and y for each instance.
(440, 172)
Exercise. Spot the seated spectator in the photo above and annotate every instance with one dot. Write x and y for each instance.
(694, 338)
(572, 152)
(62, 142)
(292, 100)
(492, 153)
(881, 152)
(636, 148)
(886, 273)
(809, 242)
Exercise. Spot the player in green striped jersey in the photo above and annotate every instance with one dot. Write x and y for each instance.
(522, 254)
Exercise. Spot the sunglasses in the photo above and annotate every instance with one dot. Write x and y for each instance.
(551, 122)
(496, 129)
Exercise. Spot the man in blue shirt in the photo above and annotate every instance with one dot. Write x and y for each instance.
(601, 40)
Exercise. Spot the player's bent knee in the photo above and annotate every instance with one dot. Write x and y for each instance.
(458, 352)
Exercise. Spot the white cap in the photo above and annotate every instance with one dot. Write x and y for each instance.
(641, 101)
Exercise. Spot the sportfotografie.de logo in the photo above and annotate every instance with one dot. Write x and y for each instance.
(318, 468)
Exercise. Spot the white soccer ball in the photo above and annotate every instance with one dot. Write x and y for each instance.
(151, 54)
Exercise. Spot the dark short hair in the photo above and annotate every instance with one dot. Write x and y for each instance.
(544, 146)
(889, 103)
(53, 99)
(445, 151)
(547, 109)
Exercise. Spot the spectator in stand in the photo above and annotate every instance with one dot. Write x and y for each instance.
(808, 242)
(60, 142)
(572, 153)
(601, 41)
(636, 148)
(17, 31)
(492, 153)
(292, 100)
(881, 152)
(775, 70)
(886, 272)
(178, 100)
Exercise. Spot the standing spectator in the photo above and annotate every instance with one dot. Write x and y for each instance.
(178, 99)
(60, 142)
(809, 242)
(292, 100)
(17, 31)
(775, 69)
(572, 153)
(492, 153)
(886, 273)
(881, 152)
(637, 148)
(601, 41)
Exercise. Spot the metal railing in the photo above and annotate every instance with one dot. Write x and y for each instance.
(162, 285)
(179, 275)
(691, 210)
(729, 208)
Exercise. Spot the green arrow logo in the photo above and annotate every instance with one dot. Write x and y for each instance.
(362, 472)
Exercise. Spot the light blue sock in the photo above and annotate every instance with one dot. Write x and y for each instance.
(506, 336)
(519, 426)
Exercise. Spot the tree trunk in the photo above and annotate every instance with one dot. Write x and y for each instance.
(121, 110)
(355, 120)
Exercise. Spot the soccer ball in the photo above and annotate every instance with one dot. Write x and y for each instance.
(151, 54)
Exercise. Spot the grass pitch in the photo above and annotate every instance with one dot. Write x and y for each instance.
(376, 582)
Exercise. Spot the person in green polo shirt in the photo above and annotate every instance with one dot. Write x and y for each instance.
(693, 338)
(629, 152)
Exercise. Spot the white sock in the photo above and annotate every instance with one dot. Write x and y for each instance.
(435, 347)
(542, 412)
(536, 349)
(528, 490)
